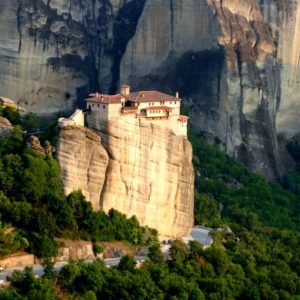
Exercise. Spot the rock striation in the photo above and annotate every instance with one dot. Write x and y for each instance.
(150, 175)
(83, 162)
(54, 52)
(240, 71)
(138, 168)
(235, 61)
(74, 250)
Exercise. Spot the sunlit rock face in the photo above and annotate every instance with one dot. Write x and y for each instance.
(140, 169)
(235, 61)
(83, 162)
(54, 52)
(150, 175)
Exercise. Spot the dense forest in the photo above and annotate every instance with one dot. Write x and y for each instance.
(258, 258)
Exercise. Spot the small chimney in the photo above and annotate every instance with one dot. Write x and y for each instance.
(125, 89)
(177, 94)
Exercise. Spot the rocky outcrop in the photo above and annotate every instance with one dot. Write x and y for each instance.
(149, 172)
(35, 144)
(235, 61)
(83, 162)
(120, 248)
(239, 71)
(54, 52)
(150, 175)
(74, 250)
(5, 127)
(17, 260)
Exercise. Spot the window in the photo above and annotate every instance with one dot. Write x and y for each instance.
(103, 106)
(89, 106)
(98, 105)
(171, 102)
(93, 104)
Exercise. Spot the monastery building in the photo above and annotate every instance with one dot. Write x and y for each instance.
(149, 106)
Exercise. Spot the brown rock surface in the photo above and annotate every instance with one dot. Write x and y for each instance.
(5, 127)
(83, 162)
(74, 250)
(149, 172)
(236, 61)
(17, 260)
(150, 175)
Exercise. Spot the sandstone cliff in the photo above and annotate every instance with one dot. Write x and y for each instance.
(236, 61)
(83, 162)
(149, 172)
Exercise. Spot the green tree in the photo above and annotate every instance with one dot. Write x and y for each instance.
(154, 253)
(31, 122)
(127, 263)
(9, 241)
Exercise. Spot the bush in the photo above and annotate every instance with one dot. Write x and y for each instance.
(98, 248)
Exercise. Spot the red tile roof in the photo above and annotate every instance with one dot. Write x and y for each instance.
(102, 98)
(142, 96)
(183, 118)
(151, 96)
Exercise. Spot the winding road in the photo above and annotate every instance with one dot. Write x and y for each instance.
(38, 270)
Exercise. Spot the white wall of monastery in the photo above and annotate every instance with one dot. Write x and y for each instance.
(182, 128)
(114, 110)
(77, 118)
(101, 113)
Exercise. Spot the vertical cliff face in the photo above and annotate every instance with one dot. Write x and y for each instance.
(236, 61)
(150, 175)
(149, 172)
(83, 162)
(54, 52)
(283, 18)
(237, 71)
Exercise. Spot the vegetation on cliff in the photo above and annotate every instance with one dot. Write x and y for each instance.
(32, 201)
(227, 193)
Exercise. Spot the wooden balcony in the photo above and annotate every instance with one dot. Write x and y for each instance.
(129, 110)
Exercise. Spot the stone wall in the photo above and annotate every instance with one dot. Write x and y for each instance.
(76, 119)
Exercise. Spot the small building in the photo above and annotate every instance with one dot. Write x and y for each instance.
(148, 105)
